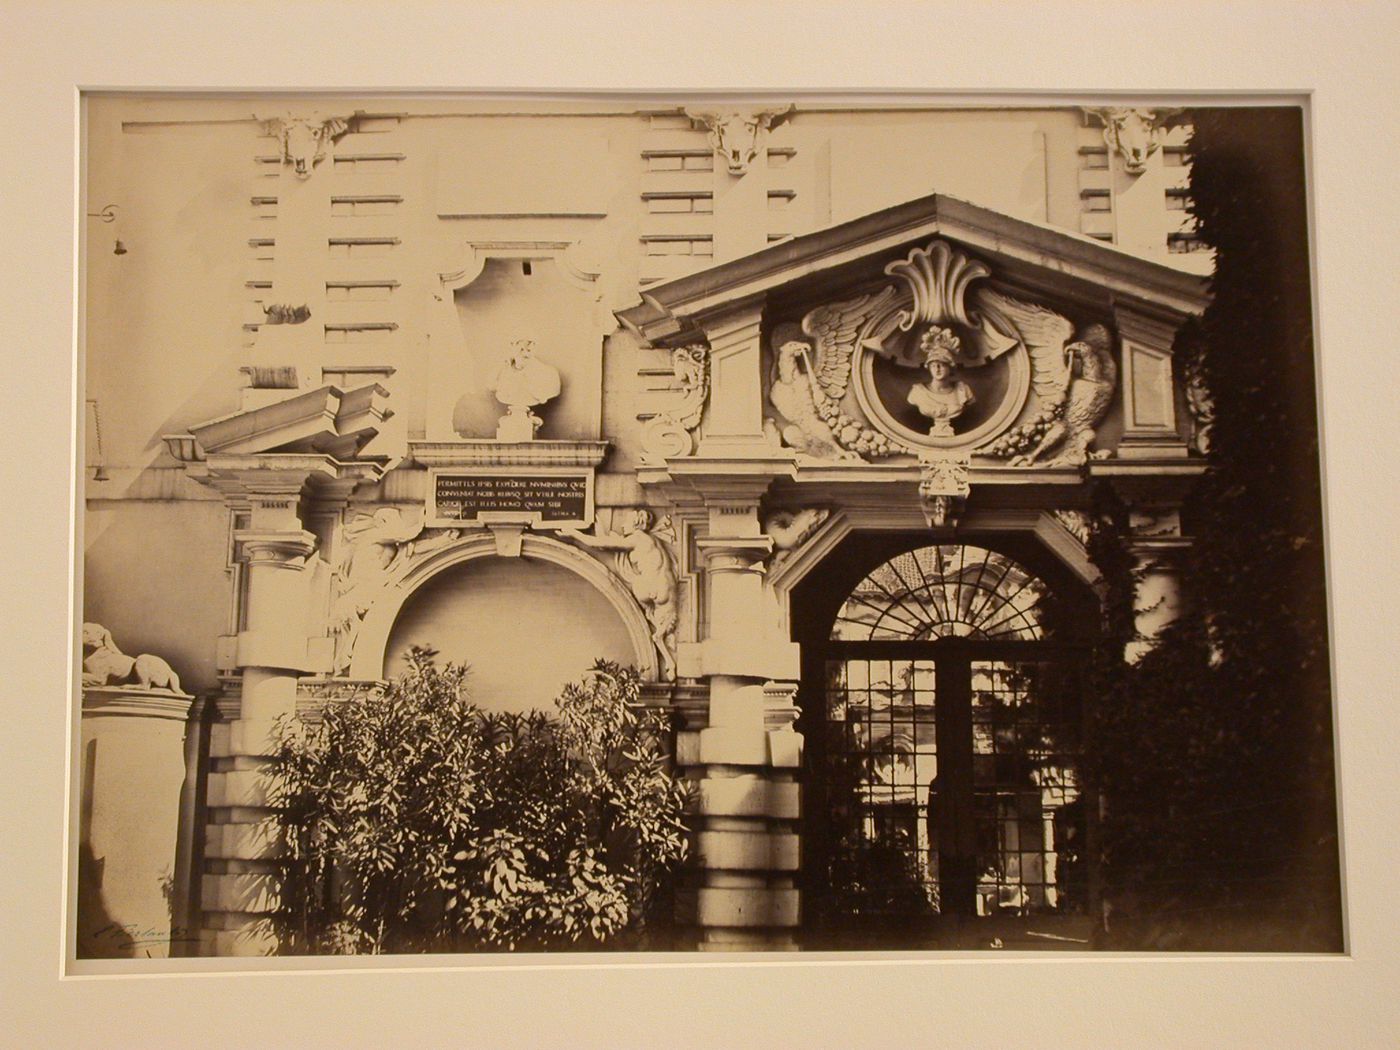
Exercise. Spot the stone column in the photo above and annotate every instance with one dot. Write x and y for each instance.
(272, 652)
(747, 842)
(133, 771)
(1157, 547)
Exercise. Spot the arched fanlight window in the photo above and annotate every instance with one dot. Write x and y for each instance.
(944, 591)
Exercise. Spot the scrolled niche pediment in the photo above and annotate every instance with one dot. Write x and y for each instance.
(938, 358)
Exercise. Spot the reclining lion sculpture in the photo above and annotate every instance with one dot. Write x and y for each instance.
(105, 664)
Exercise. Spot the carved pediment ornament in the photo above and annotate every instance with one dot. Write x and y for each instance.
(303, 140)
(938, 361)
(670, 433)
(735, 132)
(1133, 133)
(944, 485)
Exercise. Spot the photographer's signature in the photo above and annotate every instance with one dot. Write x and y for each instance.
(134, 935)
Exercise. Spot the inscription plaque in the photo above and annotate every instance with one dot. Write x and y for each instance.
(553, 498)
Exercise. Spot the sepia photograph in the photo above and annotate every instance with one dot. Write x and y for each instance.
(651, 523)
(561, 524)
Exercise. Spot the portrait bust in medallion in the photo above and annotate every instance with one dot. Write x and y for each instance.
(943, 398)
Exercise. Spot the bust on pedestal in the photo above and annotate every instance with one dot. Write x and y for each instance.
(520, 384)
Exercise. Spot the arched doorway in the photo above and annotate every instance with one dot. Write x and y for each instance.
(943, 710)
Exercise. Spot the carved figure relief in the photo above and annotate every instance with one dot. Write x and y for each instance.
(105, 664)
(671, 433)
(304, 140)
(1201, 406)
(520, 384)
(1077, 523)
(1134, 134)
(644, 560)
(1077, 393)
(734, 133)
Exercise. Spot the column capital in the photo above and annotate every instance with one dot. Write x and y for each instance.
(735, 553)
(275, 548)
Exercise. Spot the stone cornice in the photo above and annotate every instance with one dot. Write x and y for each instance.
(1100, 272)
(287, 475)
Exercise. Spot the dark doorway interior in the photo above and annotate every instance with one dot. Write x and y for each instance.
(943, 711)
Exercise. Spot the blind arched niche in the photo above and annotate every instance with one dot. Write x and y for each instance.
(525, 627)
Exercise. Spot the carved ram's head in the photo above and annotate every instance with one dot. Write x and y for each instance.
(1134, 133)
(734, 133)
(304, 139)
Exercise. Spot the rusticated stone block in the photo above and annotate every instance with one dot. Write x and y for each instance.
(253, 736)
(245, 892)
(219, 740)
(749, 850)
(733, 747)
(243, 841)
(750, 797)
(748, 907)
(785, 749)
(252, 942)
(242, 787)
(687, 749)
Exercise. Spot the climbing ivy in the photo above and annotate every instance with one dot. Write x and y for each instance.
(1214, 753)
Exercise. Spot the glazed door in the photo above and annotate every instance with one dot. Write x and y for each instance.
(944, 799)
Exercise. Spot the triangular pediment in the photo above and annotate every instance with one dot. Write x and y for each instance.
(937, 329)
(1030, 257)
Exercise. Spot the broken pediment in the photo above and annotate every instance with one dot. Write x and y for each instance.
(328, 420)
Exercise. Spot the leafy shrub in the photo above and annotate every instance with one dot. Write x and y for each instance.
(412, 821)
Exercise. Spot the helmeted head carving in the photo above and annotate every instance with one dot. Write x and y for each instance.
(1134, 133)
(304, 139)
(734, 133)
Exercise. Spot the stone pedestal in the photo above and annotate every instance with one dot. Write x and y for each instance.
(133, 771)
